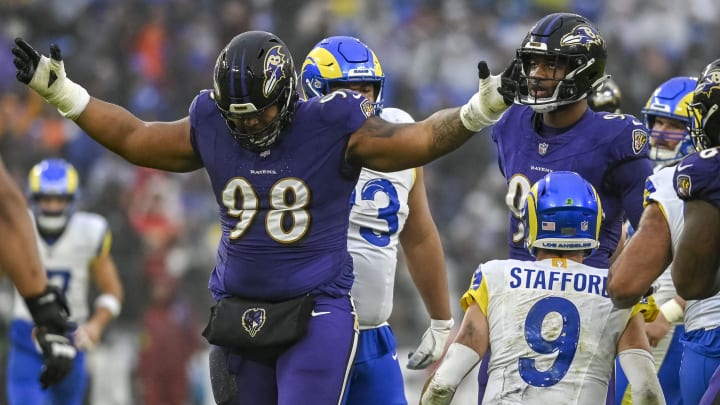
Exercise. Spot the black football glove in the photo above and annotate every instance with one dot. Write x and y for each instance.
(50, 313)
(58, 356)
(509, 81)
(50, 310)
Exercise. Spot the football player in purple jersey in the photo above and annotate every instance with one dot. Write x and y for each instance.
(550, 127)
(282, 171)
(697, 252)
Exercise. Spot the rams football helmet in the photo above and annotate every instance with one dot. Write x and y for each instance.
(252, 73)
(705, 122)
(341, 59)
(564, 41)
(606, 98)
(562, 212)
(670, 100)
(53, 179)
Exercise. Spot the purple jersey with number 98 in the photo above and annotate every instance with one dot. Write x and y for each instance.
(284, 212)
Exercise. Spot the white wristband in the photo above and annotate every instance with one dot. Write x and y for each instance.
(71, 101)
(109, 302)
(672, 311)
(472, 116)
(458, 361)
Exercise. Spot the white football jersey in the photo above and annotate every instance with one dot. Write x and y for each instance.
(659, 188)
(378, 215)
(698, 313)
(67, 262)
(553, 330)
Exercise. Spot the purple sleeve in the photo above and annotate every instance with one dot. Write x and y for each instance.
(630, 178)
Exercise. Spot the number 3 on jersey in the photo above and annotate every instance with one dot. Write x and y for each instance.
(387, 214)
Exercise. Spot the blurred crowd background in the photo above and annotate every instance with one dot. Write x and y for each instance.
(154, 56)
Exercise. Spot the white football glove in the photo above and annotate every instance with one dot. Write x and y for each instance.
(431, 345)
(48, 78)
(488, 104)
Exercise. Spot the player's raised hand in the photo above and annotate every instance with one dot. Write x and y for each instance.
(48, 78)
(431, 345)
(488, 104)
(509, 81)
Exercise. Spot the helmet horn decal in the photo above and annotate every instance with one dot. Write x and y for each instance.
(582, 35)
(274, 62)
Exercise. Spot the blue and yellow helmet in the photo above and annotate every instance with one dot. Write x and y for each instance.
(670, 100)
(341, 59)
(53, 178)
(562, 212)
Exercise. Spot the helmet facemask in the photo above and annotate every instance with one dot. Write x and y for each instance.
(570, 88)
(264, 138)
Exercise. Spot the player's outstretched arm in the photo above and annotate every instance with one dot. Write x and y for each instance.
(160, 145)
(646, 255)
(19, 257)
(383, 146)
(464, 353)
(421, 244)
(697, 256)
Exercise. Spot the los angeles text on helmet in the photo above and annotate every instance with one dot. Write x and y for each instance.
(558, 281)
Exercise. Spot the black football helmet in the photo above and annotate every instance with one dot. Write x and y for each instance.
(563, 39)
(253, 72)
(705, 122)
(606, 98)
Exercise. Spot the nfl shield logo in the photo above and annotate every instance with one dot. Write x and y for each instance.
(542, 149)
(584, 225)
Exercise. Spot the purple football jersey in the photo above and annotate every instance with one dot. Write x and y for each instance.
(696, 177)
(608, 150)
(284, 212)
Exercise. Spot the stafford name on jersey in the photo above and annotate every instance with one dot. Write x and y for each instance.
(558, 280)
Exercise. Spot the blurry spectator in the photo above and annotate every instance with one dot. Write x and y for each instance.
(170, 335)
